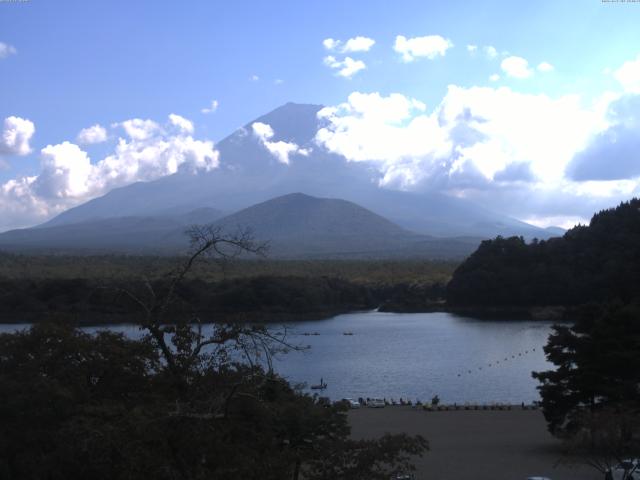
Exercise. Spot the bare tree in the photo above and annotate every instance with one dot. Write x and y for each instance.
(182, 342)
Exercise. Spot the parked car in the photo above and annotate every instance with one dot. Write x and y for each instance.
(352, 403)
(375, 403)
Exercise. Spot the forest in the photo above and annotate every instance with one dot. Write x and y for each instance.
(88, 290)
(595, 263)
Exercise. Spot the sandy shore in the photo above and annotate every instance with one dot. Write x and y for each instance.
(492, 445)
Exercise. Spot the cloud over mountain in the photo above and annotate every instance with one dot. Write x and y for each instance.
(280, 150)
(68, 177)
(469, 137)
(613, 154)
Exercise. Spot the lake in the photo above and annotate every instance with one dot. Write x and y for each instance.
(412, 356)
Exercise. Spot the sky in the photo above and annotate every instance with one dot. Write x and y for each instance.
(529, 108)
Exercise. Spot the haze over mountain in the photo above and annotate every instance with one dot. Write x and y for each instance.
(294, 225)
(250, 173)
(131, 234)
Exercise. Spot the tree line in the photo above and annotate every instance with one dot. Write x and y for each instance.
(595, 263)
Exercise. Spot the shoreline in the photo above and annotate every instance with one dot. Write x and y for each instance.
(559, 314)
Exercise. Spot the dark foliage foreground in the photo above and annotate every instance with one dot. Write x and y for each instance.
(80, 406)
(592, 398)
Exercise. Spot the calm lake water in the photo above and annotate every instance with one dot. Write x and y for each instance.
(413, 356)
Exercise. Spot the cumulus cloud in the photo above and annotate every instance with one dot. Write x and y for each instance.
(184, 125)
(629, 75)
(352, 45)
(94, 134)
(68, 176)
(16, 134)
(516, 67)
(430, 46)
(331, 44)
(495, 77)
(138, 129)
(472, 48)
(7, 50)
(280, 150)
(547, 159)
(346, 68)
(255, 78)
(613, 154)
(545, 67)
(474, 138)
(358, 44)
(211, 108)
(65, 172)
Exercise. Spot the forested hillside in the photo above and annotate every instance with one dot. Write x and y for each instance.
(595, 263)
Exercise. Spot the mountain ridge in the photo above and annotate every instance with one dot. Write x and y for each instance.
(249, 174)
(295, 225)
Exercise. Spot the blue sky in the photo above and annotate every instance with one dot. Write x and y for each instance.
(69, 65)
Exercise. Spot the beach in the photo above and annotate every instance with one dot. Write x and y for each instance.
(478, 444)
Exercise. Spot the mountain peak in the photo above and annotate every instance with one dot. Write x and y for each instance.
(295, 122)
(299, 214)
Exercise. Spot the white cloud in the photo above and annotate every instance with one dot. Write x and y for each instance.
(138, 129)
(184, 125)
(490, 51)
(346, 68)
(262, 130)
(211, 108)
(495, 77)
(66, 172)
(545, 67)
(629, 75)
(430, 46)
(278, 81)
(6, 50)
(516, 67)
(331, 44)
(472, 48)
(506, 150)
(255, 78)
(352, 45)
(16, 134)
(280, 150)
(470, 138)
(68, 177)
(94, 134)
(358, 44)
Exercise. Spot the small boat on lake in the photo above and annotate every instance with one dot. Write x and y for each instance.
(347, 333)
(319, 386)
